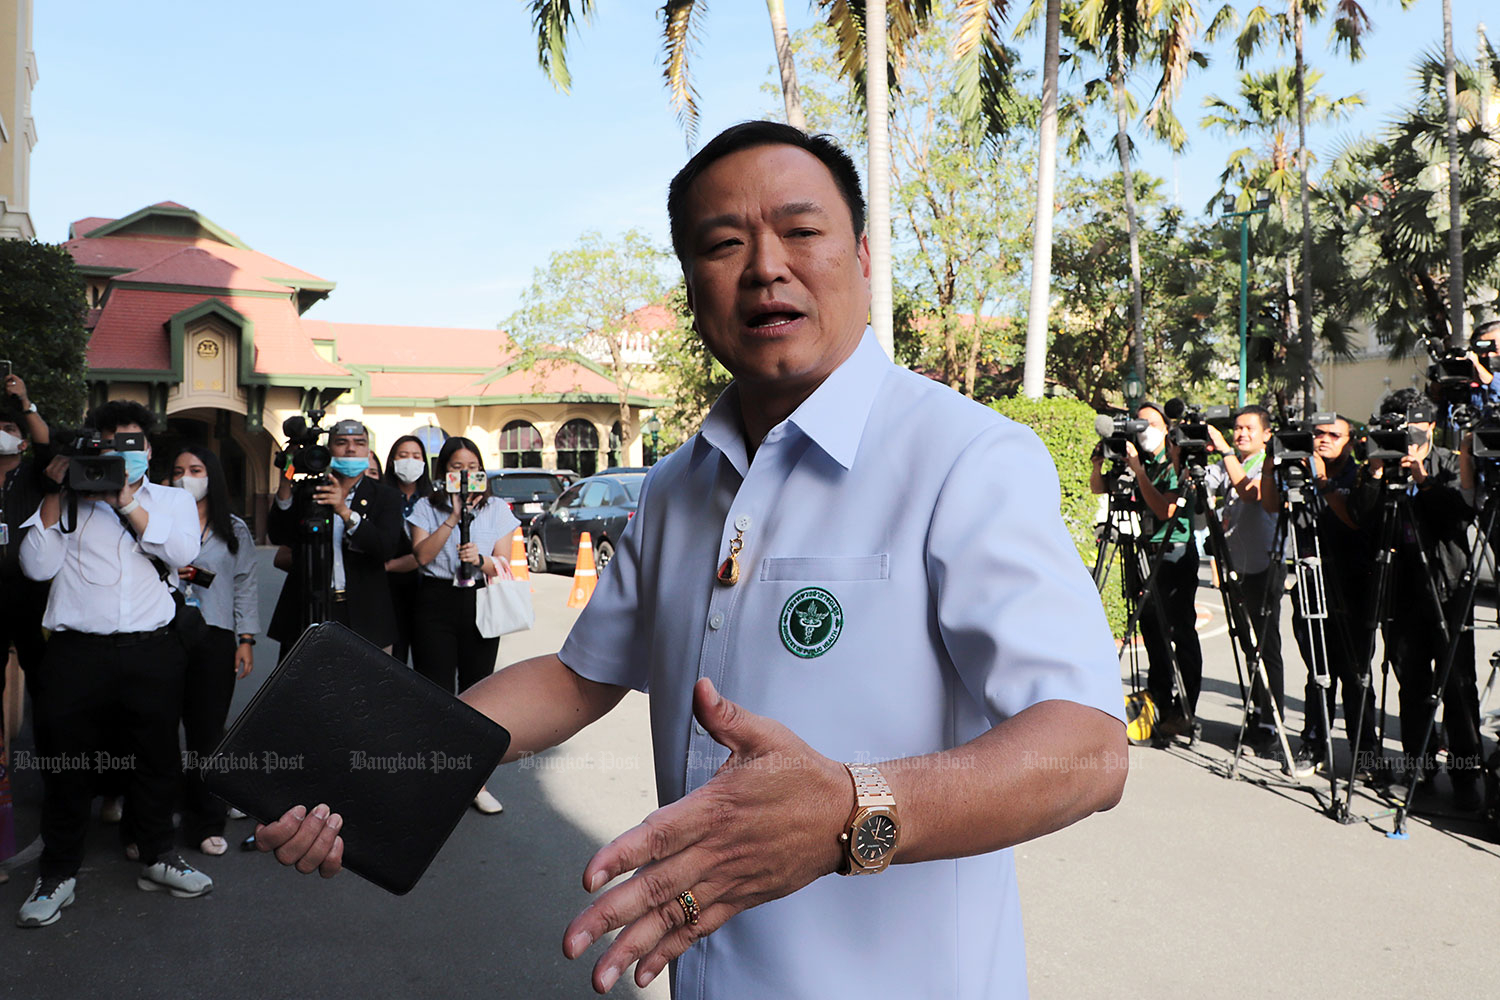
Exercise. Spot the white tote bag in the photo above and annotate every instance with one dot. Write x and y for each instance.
(503, 607)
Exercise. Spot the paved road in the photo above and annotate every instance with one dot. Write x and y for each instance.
(1194, 886)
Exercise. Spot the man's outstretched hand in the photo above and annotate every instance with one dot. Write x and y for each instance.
(307, 841)
(764, 826)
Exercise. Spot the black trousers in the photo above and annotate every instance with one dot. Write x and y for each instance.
(1262, 594)
(1417, 652)
(1346, 640)
(92, 686)
(446, 643)
(207, 690)
(1176, 586)
(21, 624)
(404, 597)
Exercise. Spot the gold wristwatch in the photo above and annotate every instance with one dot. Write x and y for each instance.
(870, 839)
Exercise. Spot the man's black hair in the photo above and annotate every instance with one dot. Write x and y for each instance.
(1403, 401)
(10, 411)
(1260, 411)
(749, 135)
(107, 416)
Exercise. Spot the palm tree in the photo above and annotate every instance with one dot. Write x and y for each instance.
(1116, 32)
(1455, 206)
(1287, 27)
(1270, 105)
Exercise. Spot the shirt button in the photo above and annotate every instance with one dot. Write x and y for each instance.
(698, 728)
(716, 620)
(742, 523)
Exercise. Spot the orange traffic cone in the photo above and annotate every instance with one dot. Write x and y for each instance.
(518, 568)
(585, 576)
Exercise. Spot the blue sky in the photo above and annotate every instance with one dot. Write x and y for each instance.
(426, 164)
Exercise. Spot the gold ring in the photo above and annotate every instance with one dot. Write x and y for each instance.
(689, 905)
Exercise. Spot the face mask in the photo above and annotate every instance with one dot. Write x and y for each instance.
(136, 464)
(1151, 439)
(351, 468)
(10, 444)
(408, 470)
(196, 486)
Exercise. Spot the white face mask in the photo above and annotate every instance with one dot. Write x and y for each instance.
(196, 486)
(10, 444)
(408, 470)
(1151, 439)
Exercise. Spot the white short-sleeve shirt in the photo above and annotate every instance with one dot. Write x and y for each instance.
(492, 522)
(906, 583)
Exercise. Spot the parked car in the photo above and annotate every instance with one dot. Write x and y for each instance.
(600, 505)
(528, 491)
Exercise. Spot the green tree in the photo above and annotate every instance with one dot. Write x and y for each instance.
(581, 303)
(43, 303)
(693, 376)
(1388, 216)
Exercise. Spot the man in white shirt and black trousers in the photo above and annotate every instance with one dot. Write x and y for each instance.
(114, 663)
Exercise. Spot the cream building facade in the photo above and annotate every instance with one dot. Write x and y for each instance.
(18, 76)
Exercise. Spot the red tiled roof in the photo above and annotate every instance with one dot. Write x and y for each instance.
(170, 204)
(371, 345)
(421, 385)
(193, 266)
(549, 377)
(652, 318)
(136, 252)
(131, 332)
(85, 226)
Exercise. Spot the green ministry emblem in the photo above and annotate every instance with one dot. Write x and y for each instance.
(811, 621)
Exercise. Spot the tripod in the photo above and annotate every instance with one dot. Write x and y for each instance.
(1138, 577)
(315, 554)
(1462, 605)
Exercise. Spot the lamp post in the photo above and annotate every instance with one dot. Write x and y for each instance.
(653, 427)
(1135, 391)
(1262, 205)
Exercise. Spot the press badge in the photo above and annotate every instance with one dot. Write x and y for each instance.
(4, 534)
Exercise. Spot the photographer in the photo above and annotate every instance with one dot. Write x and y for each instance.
(1176, 584)
(366, 532)
(221, 583)
(21, 489)
(1438, 486)
(1348, 566)
(114, 661)
(1484, 345)
(1250, 532)
(406, 473)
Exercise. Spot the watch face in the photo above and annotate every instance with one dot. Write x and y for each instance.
(874, 839)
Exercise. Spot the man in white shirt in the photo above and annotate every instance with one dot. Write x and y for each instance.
(113, 662)
(1249, 531)
(874, 569)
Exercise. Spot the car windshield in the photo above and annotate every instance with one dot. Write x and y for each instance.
(633, 487)
(523, 486)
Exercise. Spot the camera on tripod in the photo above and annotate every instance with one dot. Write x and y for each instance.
(94, 462)
(303, 453)
(1115, 432)
(1293, 440)
(1190, 436)
(1486, 430)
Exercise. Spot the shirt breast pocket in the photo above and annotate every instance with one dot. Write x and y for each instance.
(827, 569)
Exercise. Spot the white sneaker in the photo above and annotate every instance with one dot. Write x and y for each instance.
(174, 874)
(46, 901)
(487, 803)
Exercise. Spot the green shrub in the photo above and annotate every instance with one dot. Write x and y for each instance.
(42, 310)
(1066, 427)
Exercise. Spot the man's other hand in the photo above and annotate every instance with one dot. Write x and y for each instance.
(307, 841)
(764, 826)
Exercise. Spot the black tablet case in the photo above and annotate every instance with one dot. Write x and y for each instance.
(341, 722)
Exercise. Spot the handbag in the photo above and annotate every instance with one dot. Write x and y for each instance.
(503, 607)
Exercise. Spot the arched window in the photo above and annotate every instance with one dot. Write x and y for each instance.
(616, 445)
(578, 447)
(520, 446)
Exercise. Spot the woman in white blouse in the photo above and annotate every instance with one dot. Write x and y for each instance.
(446, 644)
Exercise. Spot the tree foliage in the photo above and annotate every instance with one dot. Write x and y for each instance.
(43, 304)
(582, 302)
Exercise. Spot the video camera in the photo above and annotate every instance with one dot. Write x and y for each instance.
(1190, 435)
(303, 452)
(1115, 432)
(94, 464)
(1486, 430)
(1293, 440)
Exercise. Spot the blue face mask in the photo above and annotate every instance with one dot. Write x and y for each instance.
(136, 464)
(350, 468)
